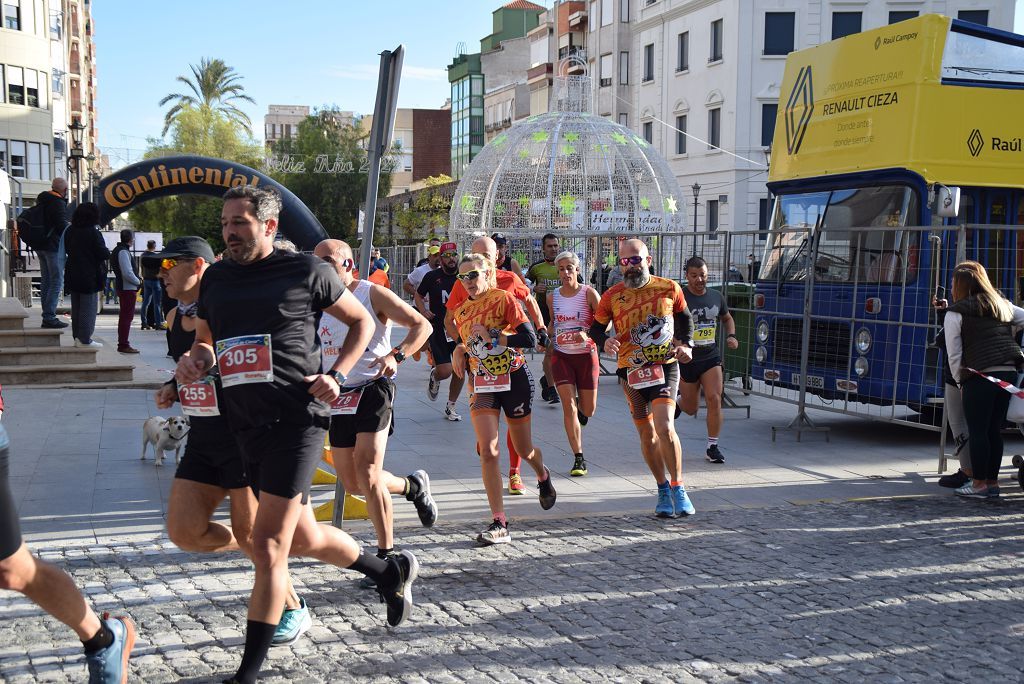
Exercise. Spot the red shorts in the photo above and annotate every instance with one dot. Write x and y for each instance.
(581, 370)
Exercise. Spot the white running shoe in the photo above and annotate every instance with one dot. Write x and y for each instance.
(450, 414)
(90, 345)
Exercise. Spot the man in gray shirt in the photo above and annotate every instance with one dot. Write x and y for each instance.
(127, 283)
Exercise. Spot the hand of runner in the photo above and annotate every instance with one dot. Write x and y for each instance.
(459, 361)
(388, 366)
(323, 387)
(481, 331)
(683, 354)
(732, 343)
(189, 369)
(165, 397)
(611, 346)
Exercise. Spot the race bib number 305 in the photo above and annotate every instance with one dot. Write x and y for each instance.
(646, 376)
(199, 398)
(244, 360)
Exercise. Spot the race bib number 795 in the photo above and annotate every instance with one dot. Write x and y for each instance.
(245, 359)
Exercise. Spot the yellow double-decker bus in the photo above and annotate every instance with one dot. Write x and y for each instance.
(917, 124)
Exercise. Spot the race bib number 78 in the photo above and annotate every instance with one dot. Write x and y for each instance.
(245, 359)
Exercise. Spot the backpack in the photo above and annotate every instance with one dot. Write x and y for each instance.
(32, 227)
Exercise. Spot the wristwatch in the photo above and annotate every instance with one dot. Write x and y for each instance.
(732, 335)
(398, 354)
(338, 376)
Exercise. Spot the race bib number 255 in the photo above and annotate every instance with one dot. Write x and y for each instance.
(245, 359)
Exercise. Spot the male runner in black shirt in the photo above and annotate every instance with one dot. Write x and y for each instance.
(437, 285)
(257, 318)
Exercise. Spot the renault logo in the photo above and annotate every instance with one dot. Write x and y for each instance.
(878, 42)
(799, 109)
(975, 142)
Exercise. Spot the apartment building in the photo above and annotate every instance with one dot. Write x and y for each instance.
(422, 143)
(282, 121)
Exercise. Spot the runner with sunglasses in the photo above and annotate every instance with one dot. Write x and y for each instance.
(574, 361)
(437, 285)
(653, 329)
(514, 285)
(493, 329)
(212, 467)
(362, 418)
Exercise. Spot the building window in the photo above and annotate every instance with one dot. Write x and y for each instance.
(768, 114)
(44, 100)
(12, 14)
(606, 69)
(624, 11)
(845, 24)
(649, 131)
(3, 155)
(681, 134)
(623, 68)
(607, 13)
(714, 128)
(683, 51)
(17, 159)
(15, 86)
(711, 209)
(3, 88)
(56, 25)
(648, 62)
(44, 169)
(624, 120)
(716, 41)
(973, 16)
(57, 87)
(31, 88)
(33, 161)
(763, 207)
(778, 32)
(901, 15)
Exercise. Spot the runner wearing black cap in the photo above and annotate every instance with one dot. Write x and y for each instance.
(505, 261)
(212, 467)
(256, 321)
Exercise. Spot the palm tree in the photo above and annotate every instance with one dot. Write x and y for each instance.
(216, 87)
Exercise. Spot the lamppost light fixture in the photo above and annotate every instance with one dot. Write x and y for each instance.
(768, 156)
(77, 128)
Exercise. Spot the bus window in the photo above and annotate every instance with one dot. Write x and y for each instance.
(794, 215)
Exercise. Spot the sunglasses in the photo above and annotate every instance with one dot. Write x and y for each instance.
(168, 264)
(450, 255)
(346, 264)
(469, 275)
(632, 260)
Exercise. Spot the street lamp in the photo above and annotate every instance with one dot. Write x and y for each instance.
(77, 154)
(696, 191)
(89, 175)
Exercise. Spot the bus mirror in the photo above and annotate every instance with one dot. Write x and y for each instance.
(947, 201)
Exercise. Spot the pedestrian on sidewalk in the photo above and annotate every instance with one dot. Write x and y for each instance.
(85, 271)
(152, 292)
(51, 256)
(127, 284)
(108, 641)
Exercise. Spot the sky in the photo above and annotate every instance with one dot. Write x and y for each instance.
(318, 52)
(314, 53)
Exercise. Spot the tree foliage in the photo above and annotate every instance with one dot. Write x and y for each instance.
(214, 87)
(325, 166)
(427, 214)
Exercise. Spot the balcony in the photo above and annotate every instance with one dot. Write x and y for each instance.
(539, 73)
(578, 19)
(572, 51)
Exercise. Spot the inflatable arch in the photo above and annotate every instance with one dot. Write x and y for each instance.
(192, 175)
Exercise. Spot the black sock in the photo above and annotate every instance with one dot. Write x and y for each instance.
(384, 553)
(100, 640)
(371, 566)
(579, 455)
(257, 642)
(412, 488)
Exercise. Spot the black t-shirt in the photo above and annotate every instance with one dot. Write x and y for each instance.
(281, 296)
(438, 285)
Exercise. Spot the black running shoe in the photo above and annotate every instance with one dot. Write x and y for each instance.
(547, 491)
(679, 411)
(957, 479)
(403, 569)
(579, 467)
(580, 417)
(426, 508)
(553, 396)
(714, 455)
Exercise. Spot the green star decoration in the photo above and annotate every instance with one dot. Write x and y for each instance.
(524, 153)
(567, 204)
(499, 209)
(670, 204)
(640, 141)
(540, 136)
(524, 201)
(500, 140)
(619, 138)
(468, 203)
(568, 149)
(645, 204)
(602, 148)
(572, 137)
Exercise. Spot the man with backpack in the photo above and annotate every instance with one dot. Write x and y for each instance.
(50, 220)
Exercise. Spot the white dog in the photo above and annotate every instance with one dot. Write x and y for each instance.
(164, 434)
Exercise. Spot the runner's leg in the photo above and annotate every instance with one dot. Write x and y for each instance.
(667, 446)
(567, 393)
(368, 457)
(519, 430)
(485, 424)
(712, 381)
(189, 513)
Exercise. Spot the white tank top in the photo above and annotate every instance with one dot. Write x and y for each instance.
(571, 316)
(333, 332)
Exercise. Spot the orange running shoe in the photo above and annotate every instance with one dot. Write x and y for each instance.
(515, 484)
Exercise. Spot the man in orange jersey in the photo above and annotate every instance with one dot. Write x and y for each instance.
(653, 330)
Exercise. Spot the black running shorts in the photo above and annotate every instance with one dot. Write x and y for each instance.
(375, 413)
(10, 529)
(212, 455)
(516, 402)
(691, 372)
(440, 348)
(281, 458)
(640, 400)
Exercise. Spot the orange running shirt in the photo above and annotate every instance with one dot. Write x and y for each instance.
(497, 311)
(507, 280)
(643, 320)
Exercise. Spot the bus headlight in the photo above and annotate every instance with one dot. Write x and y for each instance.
(860, 366)
(762, 332)
(761, 354)
(863, 341)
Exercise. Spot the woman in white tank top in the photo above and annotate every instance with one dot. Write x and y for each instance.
(574, 363)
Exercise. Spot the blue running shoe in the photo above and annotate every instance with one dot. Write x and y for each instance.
(664, 508)
(110, 665)
(294, 623)
(681, 502)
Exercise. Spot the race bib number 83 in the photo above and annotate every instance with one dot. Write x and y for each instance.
(244, 360)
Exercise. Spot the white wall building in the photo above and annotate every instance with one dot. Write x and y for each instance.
(713, 68)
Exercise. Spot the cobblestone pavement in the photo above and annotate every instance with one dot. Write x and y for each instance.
(917, 590)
